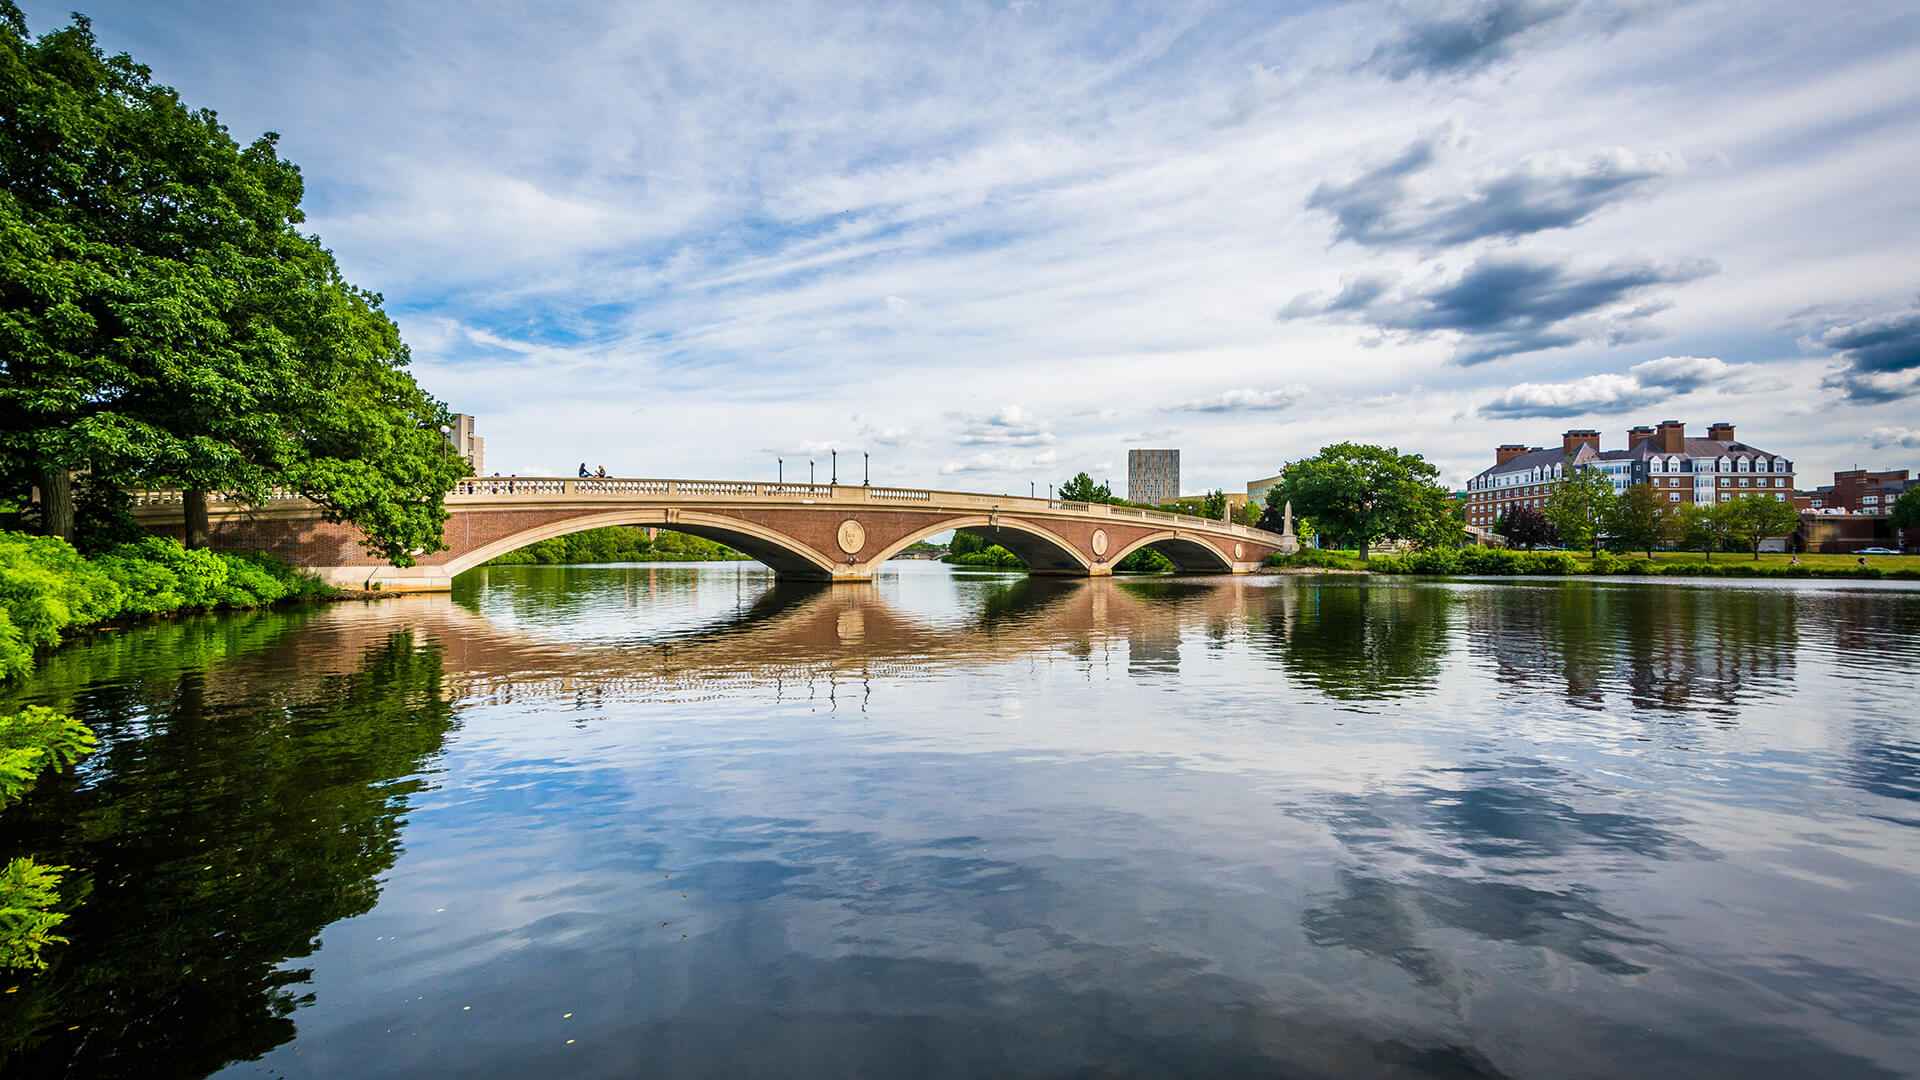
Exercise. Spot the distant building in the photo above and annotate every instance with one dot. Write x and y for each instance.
(1681, 469)
(468, 445)
(1153, 476)
(1257, 489)
(1872, 493)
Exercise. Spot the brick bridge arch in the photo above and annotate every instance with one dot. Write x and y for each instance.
(807, 531)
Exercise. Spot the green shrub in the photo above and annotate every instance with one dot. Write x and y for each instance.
(16, 656)
(48, 588)
(994, 557)
(28, 894)
(32, 742)
(1317, 558)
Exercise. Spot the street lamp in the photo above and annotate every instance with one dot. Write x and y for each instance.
(866, 469)
(780, 470)
(834, 477)
(1033, 489)
(809, 470)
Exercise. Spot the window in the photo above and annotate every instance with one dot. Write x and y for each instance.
(1746, 481)
(1673, 496)
(1673, 464)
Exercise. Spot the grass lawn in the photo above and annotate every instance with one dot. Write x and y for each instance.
(1814, 561)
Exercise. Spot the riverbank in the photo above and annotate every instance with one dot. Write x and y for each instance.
(1477, 561)
(49, 590)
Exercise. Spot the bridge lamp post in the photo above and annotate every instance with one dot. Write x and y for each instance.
(834, 476)
(780, 470)
(866, 469)
(809, 470)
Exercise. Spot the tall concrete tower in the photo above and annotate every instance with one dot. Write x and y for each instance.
(1153, 476)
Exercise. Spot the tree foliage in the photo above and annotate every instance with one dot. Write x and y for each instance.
(164, 322)
(1642, 520)
(1703, 527)
(1580, 506)
(1906, 509)
(1082, 489)
(1361, 494)
(1526, 527)
(1752, 520)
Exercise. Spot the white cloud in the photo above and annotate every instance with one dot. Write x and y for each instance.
(1249, 400)
(1683, 373)
(1904, 437)
(1011, 425)
(1593, 394)
(604, 241)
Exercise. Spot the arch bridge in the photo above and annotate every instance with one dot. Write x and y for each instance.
(820, 532)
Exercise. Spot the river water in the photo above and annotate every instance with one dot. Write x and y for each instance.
(682, 821)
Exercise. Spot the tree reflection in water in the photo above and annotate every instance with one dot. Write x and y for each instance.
(218, 837)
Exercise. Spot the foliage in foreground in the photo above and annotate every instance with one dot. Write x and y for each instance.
(48, 589)
(32, 742)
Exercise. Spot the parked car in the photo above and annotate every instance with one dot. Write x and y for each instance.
(1876, 551)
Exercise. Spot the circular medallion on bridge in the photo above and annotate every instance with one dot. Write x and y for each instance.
(1099, 541)
(1239, 552)
(853, 536)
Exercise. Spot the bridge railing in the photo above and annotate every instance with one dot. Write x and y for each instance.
(485, 489)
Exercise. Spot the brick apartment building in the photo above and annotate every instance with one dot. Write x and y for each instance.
(1683, 469)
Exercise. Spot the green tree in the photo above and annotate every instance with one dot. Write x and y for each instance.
(163, 321)
(1703, 528)
(1362, 494)
(1580, 506)
(1752, 520)
(1642, 518)
(1214, 506)
(1906, 510)
(1082, 489)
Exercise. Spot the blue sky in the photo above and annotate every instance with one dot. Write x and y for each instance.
(997, 243)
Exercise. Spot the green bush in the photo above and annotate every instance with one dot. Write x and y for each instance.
(1476, 560)
(47, 588)
(994, 557)
(32, 742)
(1317, 558)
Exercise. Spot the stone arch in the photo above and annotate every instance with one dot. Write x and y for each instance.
(1044, 551)
(1190, 553)
(786, 556)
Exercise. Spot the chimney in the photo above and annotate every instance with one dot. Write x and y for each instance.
(1571, 441)
(1638, 435)
(1720, 431)
(1507, 452)
(1672, 437)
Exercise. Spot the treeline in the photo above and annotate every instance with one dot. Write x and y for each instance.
(165, 323)
(969, 548)
(618, 544)
(49, 590)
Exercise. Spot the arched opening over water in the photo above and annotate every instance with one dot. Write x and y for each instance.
(1189, 554)
(787, 557)
(1044, 551)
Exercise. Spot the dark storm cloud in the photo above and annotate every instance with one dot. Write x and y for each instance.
(1466, 40)
(1377, 210)
(1881, 355)
(1506, 305)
